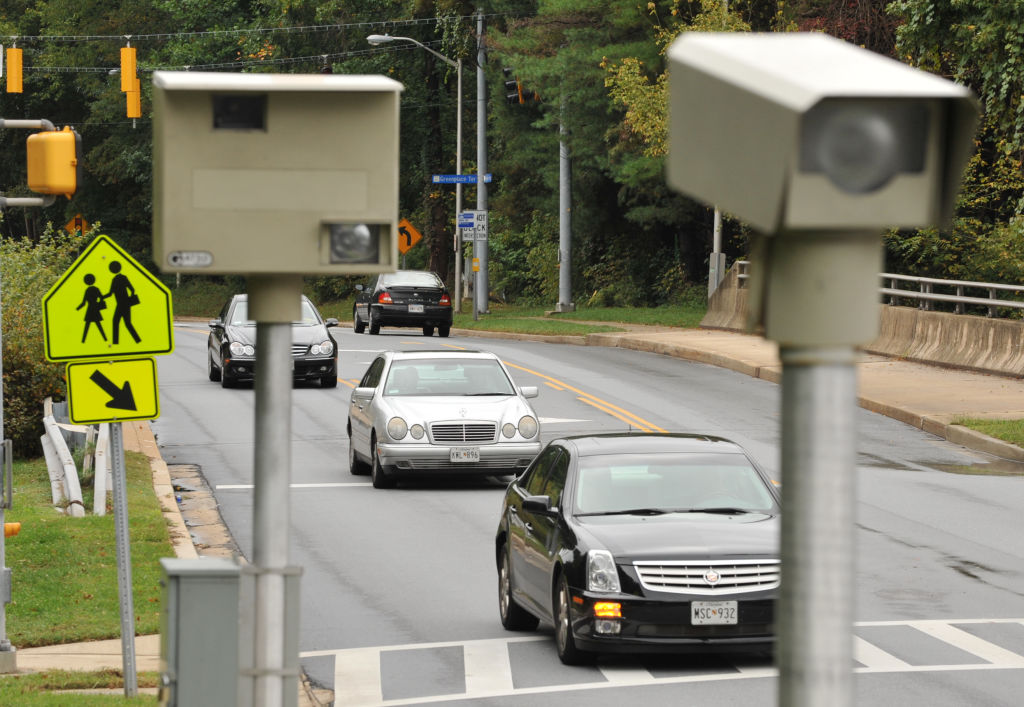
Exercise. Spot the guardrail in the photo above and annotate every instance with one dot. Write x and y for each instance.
(927, 296)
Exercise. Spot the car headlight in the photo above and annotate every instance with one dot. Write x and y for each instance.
(528, 426)
(416, 431)
(397, 428)
(239, 349)
(508, 429)
(602, 575)
(324, 348)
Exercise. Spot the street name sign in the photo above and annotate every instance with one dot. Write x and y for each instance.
(112, 391)
(106, 305)
(458, 179)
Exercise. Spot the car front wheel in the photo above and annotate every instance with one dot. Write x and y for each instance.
(565, 644)
(355, 466)
(513, 616)
(212, 371)
(377, 475)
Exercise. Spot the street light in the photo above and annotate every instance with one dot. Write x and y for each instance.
(376, 40)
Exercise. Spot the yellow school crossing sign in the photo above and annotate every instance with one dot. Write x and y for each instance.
(112, 391)
(107, 306)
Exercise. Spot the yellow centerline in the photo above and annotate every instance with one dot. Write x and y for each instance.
(597, 402)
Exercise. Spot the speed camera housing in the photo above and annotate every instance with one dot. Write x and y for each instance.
(262, 174)
(795, 132)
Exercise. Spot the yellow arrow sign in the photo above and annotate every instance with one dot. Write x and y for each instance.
(112, 391)
(107, 306)
(408, 236)
(78, 223)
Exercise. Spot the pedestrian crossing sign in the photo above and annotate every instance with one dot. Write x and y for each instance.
(106, 305)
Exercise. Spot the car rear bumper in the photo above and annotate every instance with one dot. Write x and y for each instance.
(421, 459)
(399, 315)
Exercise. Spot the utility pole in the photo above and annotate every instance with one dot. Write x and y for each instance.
(481, 286)
(565, 303)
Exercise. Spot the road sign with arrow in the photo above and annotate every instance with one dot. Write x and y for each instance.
(112, 391)
(408, 236)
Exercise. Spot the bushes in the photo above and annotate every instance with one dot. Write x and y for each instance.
(27, 271)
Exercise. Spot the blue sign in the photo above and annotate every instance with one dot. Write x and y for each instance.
(458, 179)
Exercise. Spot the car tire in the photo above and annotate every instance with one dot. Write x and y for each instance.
(374, 324)
(513, 616)
(377, 475)
(355, 466)
(227, 381)
(428, 331)
(565, 644)
(444, 331)
(358, 325)
(212, 371)
(329, 382)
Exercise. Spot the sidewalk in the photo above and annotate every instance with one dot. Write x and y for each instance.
(927, 397)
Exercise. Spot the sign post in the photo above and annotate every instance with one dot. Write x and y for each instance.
(104, 312)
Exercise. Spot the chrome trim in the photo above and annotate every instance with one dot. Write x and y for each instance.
(691, 576)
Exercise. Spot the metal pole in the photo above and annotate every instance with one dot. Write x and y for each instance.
(564, 220)
(9, 658)
(124, 559)
(815, 646)
(458, 193)
(481, 287)
(716, 263)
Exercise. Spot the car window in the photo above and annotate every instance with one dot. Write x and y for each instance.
(372, 376)
(554, 484)
(309, 315)
(447, 377)
(535, 478)
(240, 314)
(609, 483)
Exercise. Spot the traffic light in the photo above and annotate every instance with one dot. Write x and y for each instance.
(53, 161)
(515, 92)
(11, 529)
(13, 70)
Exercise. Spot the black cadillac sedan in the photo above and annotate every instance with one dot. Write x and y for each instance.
(231, 348)
(641, 543)
(406, 298)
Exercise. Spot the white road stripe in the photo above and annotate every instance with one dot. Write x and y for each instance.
(959, 638)
(626, 675)
(249, 487)
(873, 657)
(488, 668)
(357, 677)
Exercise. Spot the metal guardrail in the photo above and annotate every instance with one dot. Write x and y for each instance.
(927, 296)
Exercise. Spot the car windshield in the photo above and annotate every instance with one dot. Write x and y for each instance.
(647, 484)
(448, 376)
(410, 278)
(240, 314)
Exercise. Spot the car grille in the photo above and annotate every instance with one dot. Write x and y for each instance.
(436, 464)
(700, 577)
(448, 432)
(299, 349)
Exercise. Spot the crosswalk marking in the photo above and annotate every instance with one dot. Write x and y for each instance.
(488, 667)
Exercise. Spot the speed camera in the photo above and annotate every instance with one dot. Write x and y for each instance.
(264, 174)
(794, 132)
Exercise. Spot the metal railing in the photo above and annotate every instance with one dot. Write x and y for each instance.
(926, 295)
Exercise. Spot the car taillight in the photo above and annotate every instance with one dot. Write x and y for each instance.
(384, 298)
(445, 301)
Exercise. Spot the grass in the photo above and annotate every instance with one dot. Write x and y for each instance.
(64, 582)
(1011, 431)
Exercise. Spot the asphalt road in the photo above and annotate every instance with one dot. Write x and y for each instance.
(399, 586)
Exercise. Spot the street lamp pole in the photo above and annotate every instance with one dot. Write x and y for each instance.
(377, 40)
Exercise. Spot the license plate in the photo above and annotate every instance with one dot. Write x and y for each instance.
(416, 308)
(465, 454)
(708, 613)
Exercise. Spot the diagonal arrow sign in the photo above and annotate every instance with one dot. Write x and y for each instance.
(120, 398)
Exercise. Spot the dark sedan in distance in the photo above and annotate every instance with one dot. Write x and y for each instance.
(231, 354)
(406, 298)
(641, 543)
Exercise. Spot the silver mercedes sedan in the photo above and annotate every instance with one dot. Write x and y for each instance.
(419, 413)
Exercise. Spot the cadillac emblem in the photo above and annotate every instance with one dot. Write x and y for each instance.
(712, 577)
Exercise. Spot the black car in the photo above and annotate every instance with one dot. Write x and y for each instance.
(231, 350)
(641, 543)
(406, 298)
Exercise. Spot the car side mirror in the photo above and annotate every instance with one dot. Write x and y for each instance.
(529, 391)
(537, 504)
(214, 323)
(363, 392)
(330, 321)
(359, 288)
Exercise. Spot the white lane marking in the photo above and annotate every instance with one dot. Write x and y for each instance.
(558, 420)
(969, 642)
(249, 487)
(488, 667)
(873, 657)
(359, 674)
(626, 675)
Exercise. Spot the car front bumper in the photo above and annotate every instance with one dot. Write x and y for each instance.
(305, 369)
(664, 626)
(412, 459)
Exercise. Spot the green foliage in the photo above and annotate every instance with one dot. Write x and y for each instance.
(27, 271)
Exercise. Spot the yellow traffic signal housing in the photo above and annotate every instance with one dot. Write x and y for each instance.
(11, 529)
(14, 83)
(53, 161)
(128, 76)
